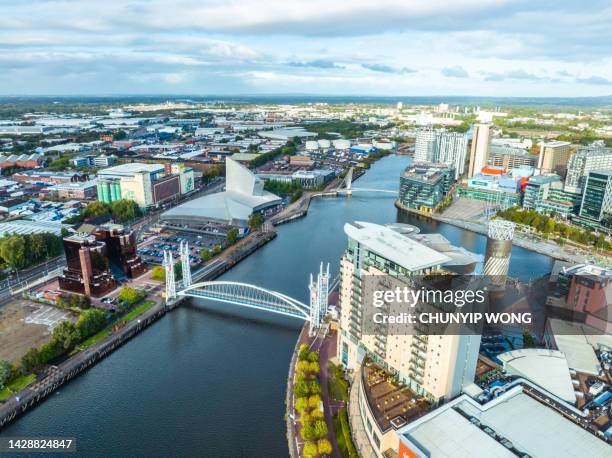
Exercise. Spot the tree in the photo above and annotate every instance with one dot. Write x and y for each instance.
(124, 210)
(158, 273)
(319, 429)
(301, 404)
(314, 367)
(95, 209)
(217, 249)
(30, 360)
(314, 401)
(308, 432)
(314, 387)
(120, 135)
(205, 254)
(130, 296)
(301, 389)
(256, 220)
(91, 321)
(66, 335)
(12, 251)
(324, 447)
(232, 236)
(303, 354)
(303, 366)
(310, 449)
(528, 340)
(6, 373)
(313, 356)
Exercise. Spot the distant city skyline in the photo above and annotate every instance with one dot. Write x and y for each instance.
(385, 48)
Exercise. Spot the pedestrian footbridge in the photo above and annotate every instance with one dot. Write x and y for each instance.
(247, 295)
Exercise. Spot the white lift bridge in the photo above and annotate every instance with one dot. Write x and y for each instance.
(247, 295)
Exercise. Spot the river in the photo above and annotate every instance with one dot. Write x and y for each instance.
(209, 380)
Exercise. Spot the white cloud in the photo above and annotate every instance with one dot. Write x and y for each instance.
(439, 46)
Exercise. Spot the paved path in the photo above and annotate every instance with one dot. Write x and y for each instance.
(358, 431)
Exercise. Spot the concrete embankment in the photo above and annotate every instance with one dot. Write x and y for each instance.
(56, 376)
(541, 247)
(289, 398)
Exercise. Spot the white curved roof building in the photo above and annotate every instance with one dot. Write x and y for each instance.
(243, 195)
(546, 368)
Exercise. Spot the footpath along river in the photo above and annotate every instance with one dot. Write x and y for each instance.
(209, 379)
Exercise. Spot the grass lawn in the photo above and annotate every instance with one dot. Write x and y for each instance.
(337, 386)
(138, 310)
(107, 330)
(342, 437)
(96, 337)
(16, 385)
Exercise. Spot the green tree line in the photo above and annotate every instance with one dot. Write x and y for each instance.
(548, 226)
(22, 251)
(122, 210)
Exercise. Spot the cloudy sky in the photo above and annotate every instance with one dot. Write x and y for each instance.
(356, 47)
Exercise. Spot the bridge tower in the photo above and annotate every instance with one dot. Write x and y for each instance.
(323, 289)
(315, 307)
(348, 180)
(170, 284)
(185, 264)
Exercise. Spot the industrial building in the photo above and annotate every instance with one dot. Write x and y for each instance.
(243, 195)
(146, 184)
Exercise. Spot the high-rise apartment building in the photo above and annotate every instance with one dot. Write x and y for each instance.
(583, 161)
(425, 145)
(479, 152)
(554, 157)
(451, 150)
(596, 204)
(441, 146)
(435, 366)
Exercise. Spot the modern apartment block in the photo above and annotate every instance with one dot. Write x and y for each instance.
(434, 366)
(146, 184)
(596, 206)
(87, 270)
(583, 161)
(479, 152)
(441, 146)
(425, 144)
(510, 157)
(554, 157)
(423, 186)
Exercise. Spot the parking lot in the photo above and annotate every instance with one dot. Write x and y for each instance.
(48, 316)
(153, 251)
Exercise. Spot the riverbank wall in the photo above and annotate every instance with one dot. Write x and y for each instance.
(289, 398)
